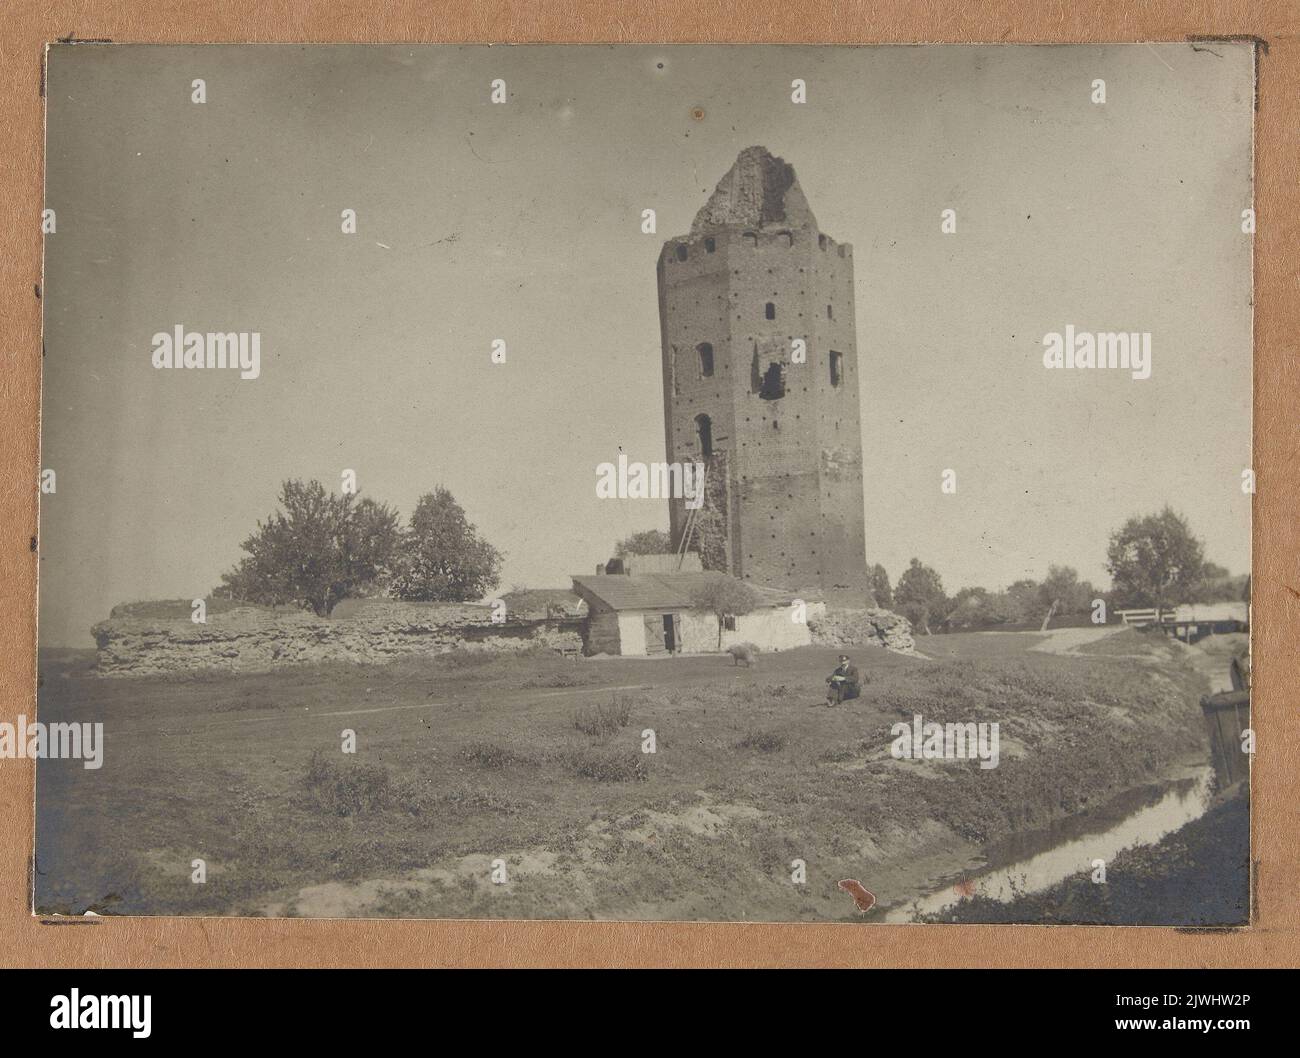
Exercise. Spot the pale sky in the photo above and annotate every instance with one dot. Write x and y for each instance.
(522, 221)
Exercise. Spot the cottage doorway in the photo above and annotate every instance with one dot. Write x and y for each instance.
(670, 633)
(654, 635)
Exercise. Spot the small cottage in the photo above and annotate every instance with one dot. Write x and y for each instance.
(648, 614)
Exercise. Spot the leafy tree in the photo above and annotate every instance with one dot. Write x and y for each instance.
(1155, 560)
(1062, 586)
(919, 596)
(649, 542)
(967, 607)
(318, 550)
(724, 597)
(1218, 585)
(1063, 592)
(442, 557)
(1023, 599)
(878, 580)
(978, 607)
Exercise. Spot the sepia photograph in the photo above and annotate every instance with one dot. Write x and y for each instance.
(695, 483)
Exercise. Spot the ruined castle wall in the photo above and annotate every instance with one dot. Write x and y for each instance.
(248, 639)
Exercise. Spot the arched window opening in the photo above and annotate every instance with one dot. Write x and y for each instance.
(837, 368)
(704, 428)
(705, 351)
(681, 251)
(769, 310)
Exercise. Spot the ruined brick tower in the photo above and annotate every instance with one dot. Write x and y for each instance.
(781, 438)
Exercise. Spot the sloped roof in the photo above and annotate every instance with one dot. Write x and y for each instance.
(659, 591)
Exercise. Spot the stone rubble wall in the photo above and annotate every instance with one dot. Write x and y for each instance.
(249, 639)
(839, 627)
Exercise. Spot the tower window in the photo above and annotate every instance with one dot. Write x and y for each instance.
(710, 245)
(704, 428)
(769, 310)
(706, 359)
(681, 251)
(830, 313)
(837, 367)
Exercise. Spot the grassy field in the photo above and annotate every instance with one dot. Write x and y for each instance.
(463, 760)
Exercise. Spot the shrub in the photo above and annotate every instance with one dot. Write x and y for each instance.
(763, 741)
(845, 751)
(346, 790)
(470, 800)
(600, 720)
(603, 765)
(559, 679)
(490, 755)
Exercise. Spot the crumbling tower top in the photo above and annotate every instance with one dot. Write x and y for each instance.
(759, 190)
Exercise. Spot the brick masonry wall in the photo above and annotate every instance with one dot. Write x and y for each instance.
(794, 464)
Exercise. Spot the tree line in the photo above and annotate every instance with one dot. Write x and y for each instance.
(322, 547)
(1153, 560)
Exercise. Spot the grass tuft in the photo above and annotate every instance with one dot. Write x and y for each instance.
(347, 790)
(763, 741)
(601, 721)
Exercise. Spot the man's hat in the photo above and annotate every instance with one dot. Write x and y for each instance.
(844, 657)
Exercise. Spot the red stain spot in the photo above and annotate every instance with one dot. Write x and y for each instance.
(863, 897)
(965, 887)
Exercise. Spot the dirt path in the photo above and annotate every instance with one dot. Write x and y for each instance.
(1067, 641)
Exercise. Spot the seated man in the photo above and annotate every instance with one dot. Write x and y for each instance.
(844, 683)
